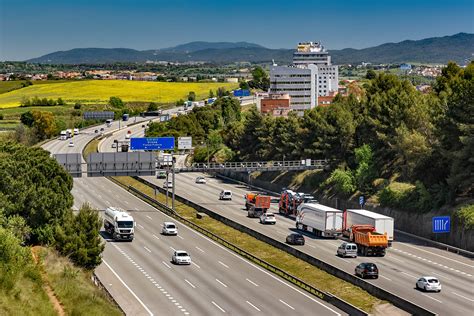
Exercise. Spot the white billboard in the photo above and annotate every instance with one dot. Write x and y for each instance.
(185, 143)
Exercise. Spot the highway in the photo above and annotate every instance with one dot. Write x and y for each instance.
(404, 263)
(143, 280)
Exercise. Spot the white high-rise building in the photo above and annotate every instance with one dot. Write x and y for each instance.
(311, 75)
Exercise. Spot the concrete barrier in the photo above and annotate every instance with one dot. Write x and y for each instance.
(376, 291)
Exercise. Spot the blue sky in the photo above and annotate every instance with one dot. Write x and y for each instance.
(30, 28)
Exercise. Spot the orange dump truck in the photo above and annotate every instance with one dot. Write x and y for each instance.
(369, 242)
(256, 204)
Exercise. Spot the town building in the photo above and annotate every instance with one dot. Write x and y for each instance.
(311, 75)
(272, 102)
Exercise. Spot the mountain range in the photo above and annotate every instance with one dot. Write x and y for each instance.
(458, 47)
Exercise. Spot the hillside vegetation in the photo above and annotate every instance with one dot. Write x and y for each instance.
(99, 91)
(406, 149)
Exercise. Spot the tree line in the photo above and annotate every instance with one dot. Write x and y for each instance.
(413, 150)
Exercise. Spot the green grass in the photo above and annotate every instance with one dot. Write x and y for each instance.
(99, 91)
(279, 258)
(73, 287)
(7, 86)
(8, 124)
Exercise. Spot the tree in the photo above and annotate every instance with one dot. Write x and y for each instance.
(365, 172)
(371, 74)
(27, 118)
(44, 124)
(260, 79)
(152, 107)
(191, 96)
(244, 85)
(79, 237)
(116, 102)
(77, 106)
(211, 93)
(61, 101)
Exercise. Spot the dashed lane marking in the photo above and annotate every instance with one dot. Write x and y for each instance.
(214, 303)
(287, 304)
(253, 306)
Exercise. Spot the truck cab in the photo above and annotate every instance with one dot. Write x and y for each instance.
(119, 224)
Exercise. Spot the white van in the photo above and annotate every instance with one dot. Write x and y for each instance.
(63, 135)
(225, 195)
(347, 250)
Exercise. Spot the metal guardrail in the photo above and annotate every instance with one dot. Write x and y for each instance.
(306, 164)
(339, 303)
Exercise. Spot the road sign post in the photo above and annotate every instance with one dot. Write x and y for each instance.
(441, 224)
(361, 201)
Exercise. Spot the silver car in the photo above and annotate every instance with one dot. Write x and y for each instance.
(169, 228)
(347, 250)
(181, 257)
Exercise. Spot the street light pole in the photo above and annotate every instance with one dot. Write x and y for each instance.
(174, 183)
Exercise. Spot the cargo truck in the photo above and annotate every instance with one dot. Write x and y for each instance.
(290, 200)
(368, 241)
(119, 224)
(319, 219)
(381, 223)
(256, 204)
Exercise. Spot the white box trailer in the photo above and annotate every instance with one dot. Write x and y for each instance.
(382, 224)
(319, 219)
(119, 224)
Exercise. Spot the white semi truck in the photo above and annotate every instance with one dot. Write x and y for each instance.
(319, 219)
(381, 223)
(119, 224)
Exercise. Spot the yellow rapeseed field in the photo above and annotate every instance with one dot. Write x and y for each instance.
(99, 91)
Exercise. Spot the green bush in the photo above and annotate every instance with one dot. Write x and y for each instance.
(343, 180)
(406, 196)
(466, 216)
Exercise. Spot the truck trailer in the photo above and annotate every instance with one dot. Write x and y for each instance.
(369, 242)
(319, 219)
(381, 223)
(119, 224)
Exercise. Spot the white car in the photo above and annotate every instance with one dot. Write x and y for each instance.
(127, 136)
(169, 228)
(181, 257)
(428, 283)
(225, 195)
(201, 180)
(268, 218)
(71, 144)
(168, 184)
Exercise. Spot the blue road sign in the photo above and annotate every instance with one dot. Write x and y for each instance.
(361, 200)
(441, 224)
(152, 143)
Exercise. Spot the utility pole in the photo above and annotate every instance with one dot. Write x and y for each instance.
(167, 173)
(174, 183)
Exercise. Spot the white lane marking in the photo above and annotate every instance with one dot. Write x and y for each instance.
(136, 209)
(126, 202)
(410, 275)
(385, 277)
(431, 298)
(199, 249)
(253, 306)
(147, 249)
(166, 264)
(443, 276)
(156, 237)
(149, 217)
(223, 264)
(221, 283)
(196, 265)
(287, 304)
(463, 296)
(180, 237)
(192, 285)
(251, 282)
(107, 202)
(172, 248)
(312, 246)
(434, 254)
(344, 260)
(126, 286)
(222, 310)
(397, 259)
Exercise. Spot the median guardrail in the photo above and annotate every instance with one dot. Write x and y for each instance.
(372, 289)
(328, 297)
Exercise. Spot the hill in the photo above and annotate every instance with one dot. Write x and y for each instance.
(99, 91)
(458, 47)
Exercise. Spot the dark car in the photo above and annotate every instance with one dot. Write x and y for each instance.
(96, 131)
(295, 239)
(367, 269)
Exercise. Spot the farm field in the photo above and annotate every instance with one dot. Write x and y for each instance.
(99, 91)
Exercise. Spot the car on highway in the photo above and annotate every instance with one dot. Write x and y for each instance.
(225, 195)
(161, 174)
(114, 145)
(169, 228)
(268, 218)
(71, 144)
(367, 269)
(96, 131)
(428, 283)
(127, 136)
(168, 184)
(347, 249)
(76, 131)
(201, 180)
(295, 239)
(181, 257)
